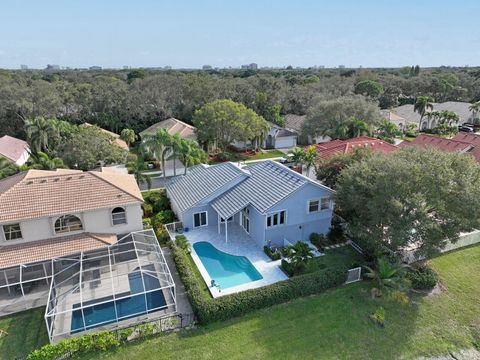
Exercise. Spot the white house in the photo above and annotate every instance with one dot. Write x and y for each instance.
(14, 149)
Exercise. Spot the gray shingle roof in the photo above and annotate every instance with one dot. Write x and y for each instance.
(200, 182)
(294, 122)
(269, 183)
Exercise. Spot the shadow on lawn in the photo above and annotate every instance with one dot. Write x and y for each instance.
(333, 325)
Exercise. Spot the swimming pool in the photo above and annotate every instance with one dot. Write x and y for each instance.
(134, 303)
(227, 270)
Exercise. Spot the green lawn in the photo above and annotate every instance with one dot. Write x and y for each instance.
(333, 325)
(25, 332)
(266, 155)
(344, 255)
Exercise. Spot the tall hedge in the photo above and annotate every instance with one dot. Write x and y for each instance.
(226, 307)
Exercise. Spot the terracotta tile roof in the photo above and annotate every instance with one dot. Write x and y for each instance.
(118, 141)
(12, 148)
(41, 193)
(173, 126)
(472, 139)
(450, 145)
(330, 148)
(12, 255)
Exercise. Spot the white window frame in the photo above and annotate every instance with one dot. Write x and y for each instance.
(68, 229)
(12, 240)
(245, 212)
(206, 219)
(329, 203)
(278, 214)
(112, 216)
(312, 200)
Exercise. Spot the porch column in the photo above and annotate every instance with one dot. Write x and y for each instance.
(218, 222)
(226, 230)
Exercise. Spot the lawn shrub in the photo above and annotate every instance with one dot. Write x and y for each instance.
(318, 240)
(208, 310)
(423, 278)
(272, 254)
(147, 209)
(163, 217)
(182, 242)
(378, 317)
(147, 223)
(336, 235)
(293, 268)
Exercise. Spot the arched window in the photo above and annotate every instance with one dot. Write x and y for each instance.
(119, 216)
(68, 223)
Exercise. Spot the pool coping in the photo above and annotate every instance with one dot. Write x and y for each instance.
(216, 292)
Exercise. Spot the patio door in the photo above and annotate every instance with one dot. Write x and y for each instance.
(245, 219)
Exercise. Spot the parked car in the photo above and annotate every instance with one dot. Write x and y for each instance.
(466, 128)
(287, 159)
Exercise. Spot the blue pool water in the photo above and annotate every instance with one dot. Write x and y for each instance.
(130, 306)
(227, 270)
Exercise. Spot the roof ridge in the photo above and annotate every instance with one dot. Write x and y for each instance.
(96, 174)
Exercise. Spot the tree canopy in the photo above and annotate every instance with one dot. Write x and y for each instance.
(417, 198)
(225, 121)
(370, 88)
(339, 118)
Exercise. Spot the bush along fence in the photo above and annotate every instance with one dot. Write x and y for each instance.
(108, 340)
(208, 310)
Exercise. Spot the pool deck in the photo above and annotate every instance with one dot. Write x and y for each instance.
(239, 244)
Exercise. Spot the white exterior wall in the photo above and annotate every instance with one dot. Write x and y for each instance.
(95, 221)
(285, 142)
(23, 159)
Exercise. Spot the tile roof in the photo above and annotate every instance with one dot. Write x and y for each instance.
(27, 253)
(269, 183)
(281, 131)
(294, 122)
(450, 145)
(327, 149)
(202, 181)
(41, 193)
(118, 141)
(472, 139)
(173, 126)
(12, 148)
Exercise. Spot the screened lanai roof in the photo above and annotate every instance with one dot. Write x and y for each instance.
(121, 281)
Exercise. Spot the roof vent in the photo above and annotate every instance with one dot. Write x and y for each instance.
(69, 178)
(56, 179)
(119, 196)
(43, 181)
(81, 176)
(29, 182)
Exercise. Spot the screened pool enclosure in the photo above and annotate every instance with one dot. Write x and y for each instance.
(113, 287)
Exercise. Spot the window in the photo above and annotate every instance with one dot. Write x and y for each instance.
(12, 232)
(222, 220)
(245, 219)
(200, 219)
(325, 204)
(313, 206)
(119, 216)
(68, 223)
(278, 218)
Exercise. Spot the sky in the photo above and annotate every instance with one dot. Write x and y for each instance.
(189, 33)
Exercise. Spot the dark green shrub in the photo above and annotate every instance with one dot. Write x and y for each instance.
(162, 235)
(147, 223)
(182, 242)
(336, 235)
(208, 310)
(162, 218)
(293, 268)
(147, 209)
(272, 254)
(423, 278)
(318, 240)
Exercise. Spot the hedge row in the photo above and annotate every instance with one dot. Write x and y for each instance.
(208, 310)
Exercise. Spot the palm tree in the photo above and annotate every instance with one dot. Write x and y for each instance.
(475, 109)
(191, 154)
(387, 131)
(128, 135)
(175, 143)
(422, 104)
(42, 161)
(299, 252)
(158, 146)
(310, 159)
(137, 167)
(357, 127)
(39, 130)
(297, 155)
(387, 275)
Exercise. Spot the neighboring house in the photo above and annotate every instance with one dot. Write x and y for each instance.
(397, 119)
(173, 126)
(328, 149)
(121, 143)
(465, 143)
(270, 202)
(280, 138)
(294, 123)
(14, 149)
(50, 221)
(404, 114)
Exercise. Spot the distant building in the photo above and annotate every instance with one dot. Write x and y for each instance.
(24, 67)
(52, 67)
(15, 150)
(126, 67)
(173, 126)
(341, 66)
(251, 66)
(95, 68)
(207, 67)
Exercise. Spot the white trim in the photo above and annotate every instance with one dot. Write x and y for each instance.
(308, 205)
(125, 213)
(206, 219)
